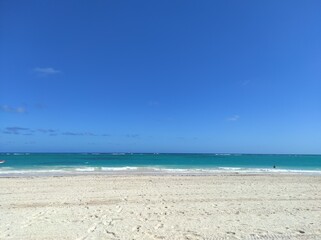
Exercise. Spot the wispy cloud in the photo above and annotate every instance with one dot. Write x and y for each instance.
(47, 131)
(84, 134)
(27, 131)
(233, 118)
(79, 134)
(6, 108)
(17, 130)
(51, 131)
(132, 135)
(46, 71)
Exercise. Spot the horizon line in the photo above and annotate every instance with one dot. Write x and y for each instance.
(154, 153)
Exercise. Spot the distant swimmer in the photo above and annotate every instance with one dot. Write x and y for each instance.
(274, 166)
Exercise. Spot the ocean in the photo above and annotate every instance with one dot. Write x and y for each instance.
(22, 164)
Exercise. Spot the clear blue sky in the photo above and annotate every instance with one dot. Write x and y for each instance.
(160, 76)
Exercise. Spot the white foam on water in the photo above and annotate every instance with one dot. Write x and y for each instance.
(28, 171)
(85, 169)
(119, 168)
(7, 171)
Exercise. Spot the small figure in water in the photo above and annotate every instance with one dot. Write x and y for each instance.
(274, 166)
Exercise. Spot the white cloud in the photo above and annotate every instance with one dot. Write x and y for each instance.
(46, 71)
(233, 118)
(6, 108)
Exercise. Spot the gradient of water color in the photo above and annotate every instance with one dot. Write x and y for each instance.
(71, 163)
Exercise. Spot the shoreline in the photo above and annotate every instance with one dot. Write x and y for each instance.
(129, 175)
(150, 171)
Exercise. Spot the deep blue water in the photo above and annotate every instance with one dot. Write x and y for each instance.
(20, 162)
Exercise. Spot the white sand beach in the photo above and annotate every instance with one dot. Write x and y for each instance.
(161, 207)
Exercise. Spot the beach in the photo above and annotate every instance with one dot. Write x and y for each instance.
(234, 206)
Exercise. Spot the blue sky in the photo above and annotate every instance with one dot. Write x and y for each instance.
(160, 76)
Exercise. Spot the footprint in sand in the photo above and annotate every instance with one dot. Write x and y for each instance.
(119, 209)
(158, 226)
(92, 228)
(136, 229)
(192, 235)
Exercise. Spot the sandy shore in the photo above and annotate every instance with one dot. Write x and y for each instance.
(161, 207)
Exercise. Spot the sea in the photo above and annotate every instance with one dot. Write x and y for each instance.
(59, 164)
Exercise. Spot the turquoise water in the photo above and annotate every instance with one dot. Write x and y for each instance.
(22, 163)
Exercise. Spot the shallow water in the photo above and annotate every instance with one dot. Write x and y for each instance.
(60, 163)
